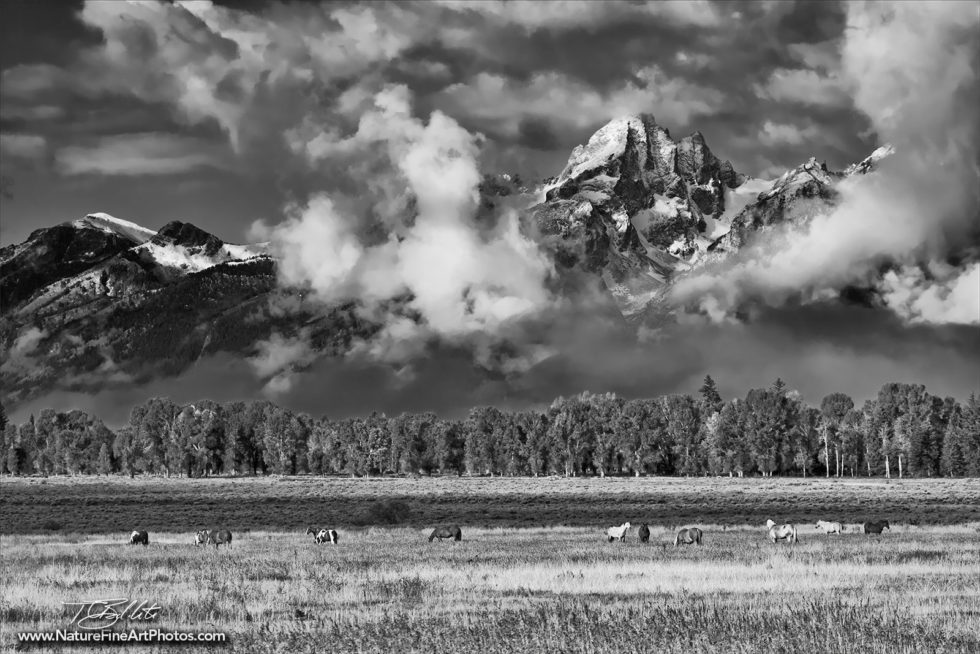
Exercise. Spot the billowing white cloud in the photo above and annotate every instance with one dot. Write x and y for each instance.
(952, 297)
(920, 204)
(459, 277)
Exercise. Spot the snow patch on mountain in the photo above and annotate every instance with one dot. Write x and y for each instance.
(192, 259)
(112, 225)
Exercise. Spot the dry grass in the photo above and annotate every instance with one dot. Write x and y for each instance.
(505, 588)
(555, 589)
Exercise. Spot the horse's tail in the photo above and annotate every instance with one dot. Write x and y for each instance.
(698, 534)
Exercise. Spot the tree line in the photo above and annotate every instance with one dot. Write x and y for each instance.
(904, 431)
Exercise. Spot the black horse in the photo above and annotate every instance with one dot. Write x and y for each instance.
(139, 538)
(219, 537)
(450, 531)
(876, 527)
(644, 533)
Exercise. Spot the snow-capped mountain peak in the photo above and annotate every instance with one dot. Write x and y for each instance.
(110, 224)
(870, 162)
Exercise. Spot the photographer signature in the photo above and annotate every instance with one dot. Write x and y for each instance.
(102, 613)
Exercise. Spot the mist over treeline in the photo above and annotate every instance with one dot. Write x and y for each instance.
(904, 431)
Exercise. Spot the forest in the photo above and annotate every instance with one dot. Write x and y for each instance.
(904, 431)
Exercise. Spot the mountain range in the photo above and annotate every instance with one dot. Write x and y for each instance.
(100, 300)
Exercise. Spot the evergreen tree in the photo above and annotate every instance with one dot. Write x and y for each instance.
(104, 465)
(711, 401)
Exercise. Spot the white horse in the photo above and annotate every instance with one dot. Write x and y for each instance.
(781, 532)
(323, 536)
(829, 527)
(618, 533)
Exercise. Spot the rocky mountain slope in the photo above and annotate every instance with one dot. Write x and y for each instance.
(102, 300)
(637, 209)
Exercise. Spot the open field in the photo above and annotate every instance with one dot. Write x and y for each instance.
(533, 573)
(115, 504)
(564, 589)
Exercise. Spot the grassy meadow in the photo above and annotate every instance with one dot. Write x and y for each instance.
(519, 580)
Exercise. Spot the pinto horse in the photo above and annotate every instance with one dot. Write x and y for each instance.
(876, 527)
(688, 536)
(618, 533)
(139, 538)
(781, 532)
(446, 531)
(829, 527)
(323, 535)
(201, 537)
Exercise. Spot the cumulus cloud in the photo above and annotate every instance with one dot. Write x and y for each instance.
(498, 102)
(952, 297)
(804, 86)
(140, 154)
(776, 133)
(458, 277)
(920, 204)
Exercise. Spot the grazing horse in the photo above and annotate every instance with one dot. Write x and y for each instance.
(201, 537)
(829, 527)
(644, 533)
(781, 532)
(323, 536)
(618, 533)
(450, 531)
(219, 537)
(876, 527)
(139, 538)
(688, 536)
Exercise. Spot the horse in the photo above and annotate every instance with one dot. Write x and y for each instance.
(829, 527)
(618, 533)
(876, 527)
(323, 536)
(781, 532)
(219, 537)
(448, 531)
(139, 538)
(201, 537)
(644, 533)
(688, 536)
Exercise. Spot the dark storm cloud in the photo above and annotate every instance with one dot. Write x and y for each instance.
(814, 349)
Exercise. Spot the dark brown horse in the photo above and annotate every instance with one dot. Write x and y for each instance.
(448, 531)
(876, 527)
(644, 533)
(139, 538)
(219, 537)
(688, 536)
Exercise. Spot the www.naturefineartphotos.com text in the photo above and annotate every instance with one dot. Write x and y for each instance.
(401, 326)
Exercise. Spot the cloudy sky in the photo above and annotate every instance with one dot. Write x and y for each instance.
(193, 111)
(290, 122)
